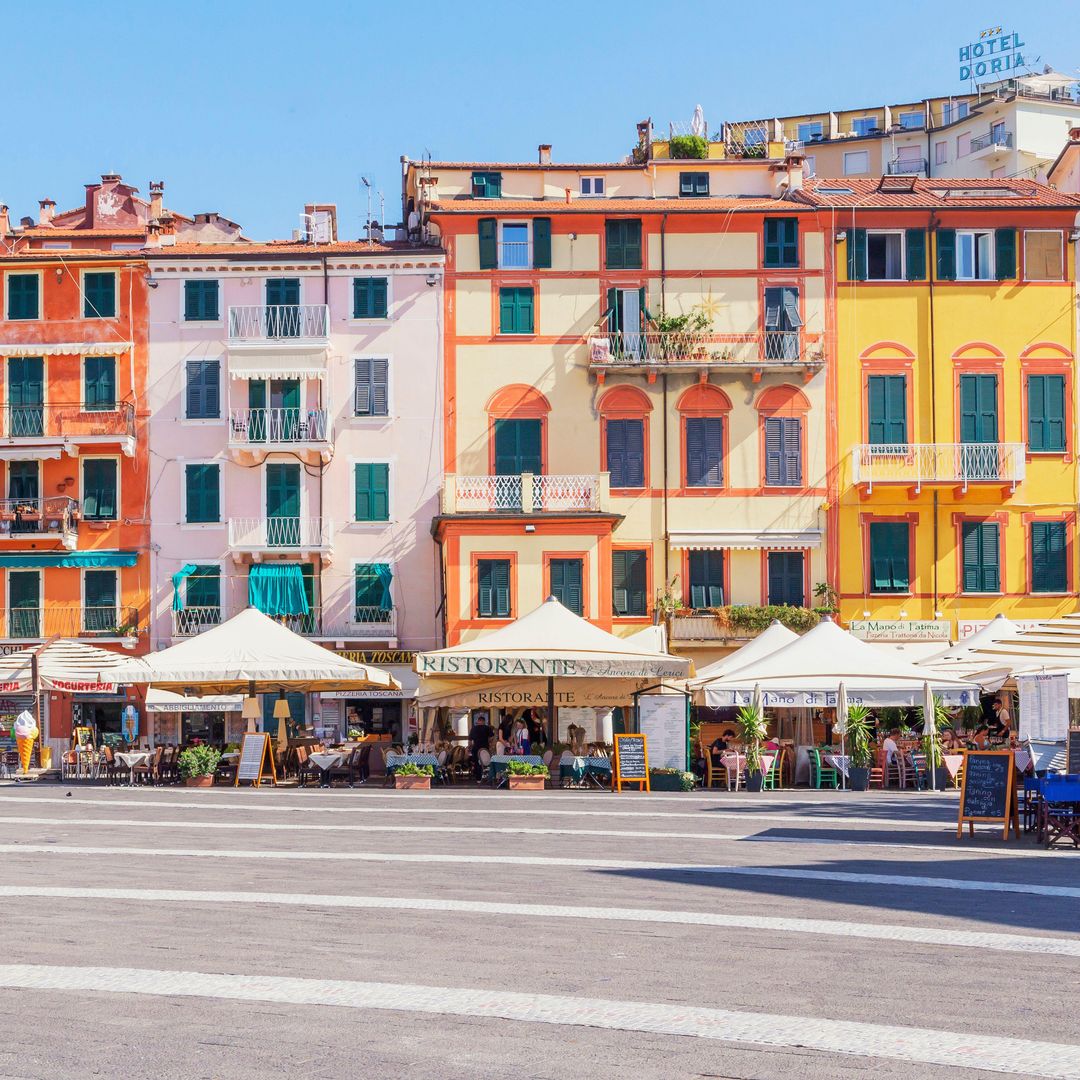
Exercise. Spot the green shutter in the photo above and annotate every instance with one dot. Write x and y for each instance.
(772, 242)
(856, 255)
(1049, 557)
(541, 243)
(889, 558)
(22, 296)
(1046, 413)
(623, 244)
(372, 491)
(946, 254)
(980, 552)
(369, 298)
(99, 295)
(99, 379)
(915, 256)
(887, 409)
(99, 489)
(486, 232)
(516, 310)
(203, 494)
(1005, 254)
(629, 583)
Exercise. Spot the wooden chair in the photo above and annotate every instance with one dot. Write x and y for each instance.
(146, 774)
(715, 775)
(343, 770)
(877, 770)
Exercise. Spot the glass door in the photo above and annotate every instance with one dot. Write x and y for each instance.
(24, 493)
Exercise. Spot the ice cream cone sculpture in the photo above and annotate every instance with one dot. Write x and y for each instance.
(26, 731)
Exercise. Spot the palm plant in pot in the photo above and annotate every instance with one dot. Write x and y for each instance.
(931, 745)
(859, 735)
(751, 720)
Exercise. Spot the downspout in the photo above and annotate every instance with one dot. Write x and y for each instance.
(931, 270)
(322, 405)
(664, 388)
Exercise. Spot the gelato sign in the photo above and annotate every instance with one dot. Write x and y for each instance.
(901, 629)
(994, 55)
(548, 667)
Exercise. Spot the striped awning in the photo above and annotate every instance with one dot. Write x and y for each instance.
(64, 665)
(64, 348)
(262, 365)
(746, 539)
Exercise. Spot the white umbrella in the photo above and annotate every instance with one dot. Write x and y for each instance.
(841, 726)
(930, 728)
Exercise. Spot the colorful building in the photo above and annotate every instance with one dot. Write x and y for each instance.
(296, 426)
(635, 388)
(956, 490)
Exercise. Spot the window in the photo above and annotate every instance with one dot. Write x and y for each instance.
(369, 297)
(863, 125)
(22, 296)
(974, 256)
(566, 583)
(372, 491)
(493, 588)
(516, 310)
(856, 162)
(514, 251)
(886, 408)
(980, 549)
(782, 322)
(884, 256)
(203, 392)
(629, 583)
(99, 295)
(1046, 414)
(202, 493)
(202, 591)
(941, 152)
(810, 130)
(99, 602)
(963, 144)
(371, 380)
(592, 186)
(997, 133)
(706, 579)
(889, 571)
(201, 301)
(951, 111)
(99, 383)
(371, 591)
(781, 242)
(783, 451)
(912, 121)
(625, 442)
(487, 185)
(786, 578)
(1043, 255)
(1049, 557)
(704, 451)
(623, 244)
(519, 446)
(99, 489)
(693, 184)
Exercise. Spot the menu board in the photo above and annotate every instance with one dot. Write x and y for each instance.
(662, 718)
(631, 762)
(1072, 759)
(1044, 707)
(988, 794)
(256, 759)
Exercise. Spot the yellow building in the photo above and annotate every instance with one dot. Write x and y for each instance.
(956, 491)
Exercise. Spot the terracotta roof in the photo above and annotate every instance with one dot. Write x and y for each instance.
(928, 194)
(466, 205)
(56, 254)
(481, 165)
(289, 248)
(47, 232)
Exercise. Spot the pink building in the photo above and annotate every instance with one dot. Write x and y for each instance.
(296, 450)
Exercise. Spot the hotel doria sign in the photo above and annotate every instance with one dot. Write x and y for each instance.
(996, 54)
(545, 668)
(901, 629)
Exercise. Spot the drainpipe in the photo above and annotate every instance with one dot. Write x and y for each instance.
(322, 405)
(931, 266)
(664, 388)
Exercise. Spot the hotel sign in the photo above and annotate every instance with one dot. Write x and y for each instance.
(996, 54)
(901, 629)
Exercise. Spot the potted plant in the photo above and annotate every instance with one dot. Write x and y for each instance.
(751, 720)
(671, 780)
(859, 738)
(411, 775)
(197, 765)
(525, 777)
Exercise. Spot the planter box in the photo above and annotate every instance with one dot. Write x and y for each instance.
(665, 782)
(199, 781)
(527, 783)
(421, 783)
(754, 780)
(858, 778)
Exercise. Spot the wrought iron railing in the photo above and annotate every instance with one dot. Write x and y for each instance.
(936, 463)
(261, 323)
(907, 167)
(249, 427)
(655, 347)
(35, 623)
(194, 620)
(524, 493)
(73, 421)
(53, 516)
(991, 138)
(262, 533)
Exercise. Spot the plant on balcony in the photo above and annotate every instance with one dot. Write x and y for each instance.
(680, 334)
(743, 619)
(667, 603)
(828, 600)
(688, 146)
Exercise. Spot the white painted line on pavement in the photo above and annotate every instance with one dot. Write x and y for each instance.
(892, 880)
(941, 937)
(992, 1053)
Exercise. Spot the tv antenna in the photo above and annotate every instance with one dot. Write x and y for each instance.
(367, 184)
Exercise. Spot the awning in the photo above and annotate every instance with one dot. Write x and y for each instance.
(261, 365)
(746, 539)
(277, 589)
(177, 580)
(65, 348)
(86, 559)
(404, 673)
(38, 453)
(165, 701)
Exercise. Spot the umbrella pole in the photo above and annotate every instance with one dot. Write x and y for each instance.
(843, 755)
(552, 730)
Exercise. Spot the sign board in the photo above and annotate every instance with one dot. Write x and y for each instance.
(995, 55)
(256, 757)
(1044, 707)
(379, 657)
(131, 724)
(901, 629)
(966, 627)
(548, 667)
(1072, 756)
(662, 719)
(84, 738)
(631, 765)
(988, 794)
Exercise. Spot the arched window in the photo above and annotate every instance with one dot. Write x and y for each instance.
(703, 425)
(517, 440)
(624, 437)
(783, 412)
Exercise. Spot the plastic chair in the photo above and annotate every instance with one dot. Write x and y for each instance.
(773, 778)
(821, 775)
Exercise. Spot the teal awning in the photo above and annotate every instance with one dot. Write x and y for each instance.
(177, 579)
(90, 559)
(278, 589)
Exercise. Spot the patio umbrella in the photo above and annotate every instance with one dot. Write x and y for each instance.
(841, 726)
(929, 727)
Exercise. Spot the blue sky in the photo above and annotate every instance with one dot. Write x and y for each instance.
(251, 109)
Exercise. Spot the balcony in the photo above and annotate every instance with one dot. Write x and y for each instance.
(39, 624)
(194, 620)
(279, 326)
(258, 431)
(991, 144)
(363, 623)
(258, 536)
(40, 519)
(515, 255)
(960, 464)
(45, 430)
(525, 493)
(688, 350)
(908, 167)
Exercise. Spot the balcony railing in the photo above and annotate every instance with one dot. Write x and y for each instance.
(374, 623)
(286, 324)
(272, 533)
(908, 167)
(691, 348)
(938, 463)
(258, 427)
(35, 623)
(525, 493)
(1002, 139)
(515, 255)
(194, 620)
(55, 517)
(67, 423)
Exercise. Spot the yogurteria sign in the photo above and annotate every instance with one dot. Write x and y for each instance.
(429, 664)
(995, 53)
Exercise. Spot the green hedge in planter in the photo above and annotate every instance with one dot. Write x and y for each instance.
(689, 146)
(671, 780)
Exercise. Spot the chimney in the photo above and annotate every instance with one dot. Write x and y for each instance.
(1074, 134)
(5, 221)
(46, 211)
(545, 153)
(157, 189)
(320, 222)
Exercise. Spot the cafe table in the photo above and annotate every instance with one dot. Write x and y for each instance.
(324, 761)
(734, 766)
(840, 762)
(132, 758)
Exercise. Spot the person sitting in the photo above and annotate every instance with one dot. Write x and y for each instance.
(717, 748)
(890, 746)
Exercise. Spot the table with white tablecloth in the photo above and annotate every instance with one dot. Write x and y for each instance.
(132, 759)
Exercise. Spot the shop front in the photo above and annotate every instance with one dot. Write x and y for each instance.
(387, 713)
(175, 720)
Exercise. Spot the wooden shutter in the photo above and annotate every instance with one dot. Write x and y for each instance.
(791, 426)
(632, 245)
(99, 295)
(889, 571)
(772, 242)
(203, 502)
(192, 305)
(22, 294)
(915, 255)
(704, 451)
(614, 312)
(484, 602)
(990, 556)
(786, 582)
(541, 243)
(981, 556)
(946, 254)
(615, 432)
(774, 444)
(887, 409)
(1054, 411)
(525, 311)
(1005, 254)
(566, 583)
(378, 297)
(978, 408)
(99, 489)
(99, 588)
(1037, 433)
(620, 586)
(629, 580)
(486, 232)
(372, 491)
(856, 255)
(789, 233)
(1049, 568)
(634, 449)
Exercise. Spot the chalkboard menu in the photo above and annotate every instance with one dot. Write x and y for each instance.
(631, 762)
(1072, 760)
(988, 794)
(256, 758)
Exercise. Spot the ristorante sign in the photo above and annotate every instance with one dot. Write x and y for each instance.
(547, 668)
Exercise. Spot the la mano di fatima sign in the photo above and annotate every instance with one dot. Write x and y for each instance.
(995, 53)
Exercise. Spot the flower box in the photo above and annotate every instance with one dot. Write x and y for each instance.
(527, 783)
(422, 783)
(200, 781)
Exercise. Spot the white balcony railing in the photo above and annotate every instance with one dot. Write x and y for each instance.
(258, 427)
(194, 620)
(360, 623)
(525, 493)
(938, 463)
(274, 533)
(285, 324)
(515, 255)
(652, 348)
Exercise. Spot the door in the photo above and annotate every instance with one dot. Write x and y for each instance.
(284, 410)
(24, 603)
(518, 449)
(26, 396)
(256, 427)
(100, 599)
(979, 457)
(626, 322)
(282, 505)
(283, 307)
(24, 493)
(782, 322)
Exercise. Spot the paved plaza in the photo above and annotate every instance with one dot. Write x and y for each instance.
(467, 933)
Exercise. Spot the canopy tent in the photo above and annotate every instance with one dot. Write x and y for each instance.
(254, 654)
(962, 660)
(775, 636)
(808, 672)
(67, 666)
